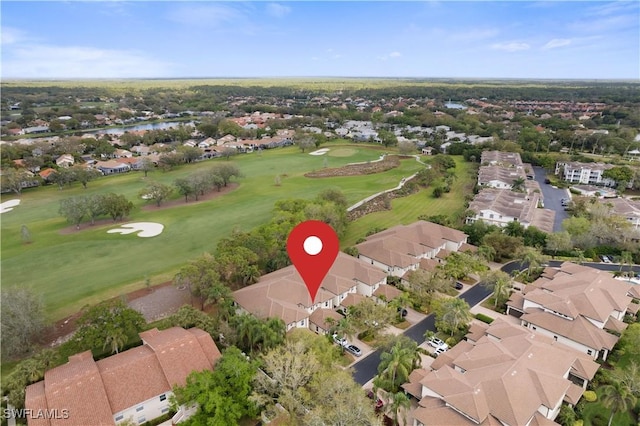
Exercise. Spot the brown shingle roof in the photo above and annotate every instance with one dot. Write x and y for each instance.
(178, 351)
(319, 317)
(131, 377)
(508, 375)
(283, 294)
(93, 392)
(36, 399)
(403, 245)
(579, 330)
(77, 386)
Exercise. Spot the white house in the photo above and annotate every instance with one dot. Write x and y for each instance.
(576, 305)
(502, 374)
(132, 385)
(399, 250)
(283, 294)
(585, 173)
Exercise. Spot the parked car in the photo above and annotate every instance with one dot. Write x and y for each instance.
(436, 343)
(340, 341)
(440, 350)
(606, 259)
(547, 181)
(458, 285)
(354, 350)
(565, 202)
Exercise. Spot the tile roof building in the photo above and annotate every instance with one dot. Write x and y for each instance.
(400, 249)
(504, 375)
(501, 206)
(627, 209)
(135, 384)
(501, 158)
(576, 305)
(283, 294)
(499, 176)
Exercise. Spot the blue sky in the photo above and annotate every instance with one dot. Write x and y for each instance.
(140, 39)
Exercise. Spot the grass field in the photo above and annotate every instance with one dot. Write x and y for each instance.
(73, 270)
(406, 210)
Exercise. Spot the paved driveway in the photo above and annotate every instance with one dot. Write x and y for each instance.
(366, 368)
(552, 197)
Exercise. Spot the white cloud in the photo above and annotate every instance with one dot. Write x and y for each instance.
(557, 42)
(47, 61)
(277, 10)
(211, 15)
(10, 35)
(511, 46)
(394, 54)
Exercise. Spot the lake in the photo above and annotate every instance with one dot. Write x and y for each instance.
(146, 126)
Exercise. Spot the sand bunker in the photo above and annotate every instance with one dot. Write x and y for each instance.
(322, 151)
(7, 206)
(144, 229)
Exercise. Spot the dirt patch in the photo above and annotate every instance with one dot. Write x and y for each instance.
(160, 303)
(153, 303)
(389, 162)
(151, 207)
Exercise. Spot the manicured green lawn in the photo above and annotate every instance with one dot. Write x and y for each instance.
(73, 270)
(406, 210)
(594, 413)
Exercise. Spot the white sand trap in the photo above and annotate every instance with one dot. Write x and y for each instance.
(7, 206)
(144, 229)
(322, 151)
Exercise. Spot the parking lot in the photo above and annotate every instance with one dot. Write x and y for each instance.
(552, 198)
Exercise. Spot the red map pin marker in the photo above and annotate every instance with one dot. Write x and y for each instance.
(313, 247)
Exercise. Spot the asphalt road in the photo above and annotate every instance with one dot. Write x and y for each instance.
(612, 267)
(367, 368)
(552, 197)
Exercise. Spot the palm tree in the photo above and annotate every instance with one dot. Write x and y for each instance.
(617, 397)
(273, 333)
(531, 257)
(399, 402)
(401, 302)
(499, 282)
(395, 367)
(344, 328)
(487, 253)
(626, 258)
(456, 315)
(518, 185)
(116, 338)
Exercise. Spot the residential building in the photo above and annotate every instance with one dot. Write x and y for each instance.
(283, 293)
(65, 160)
(500, 177)
(132, 385)
(502, 206)
(112, 167)
(501, 158)
(586, 173)
(577, 306)
(502, 375)
(626, 208)
(399, 250)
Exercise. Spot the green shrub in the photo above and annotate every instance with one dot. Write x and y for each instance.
(590, 396)
(484, 318)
